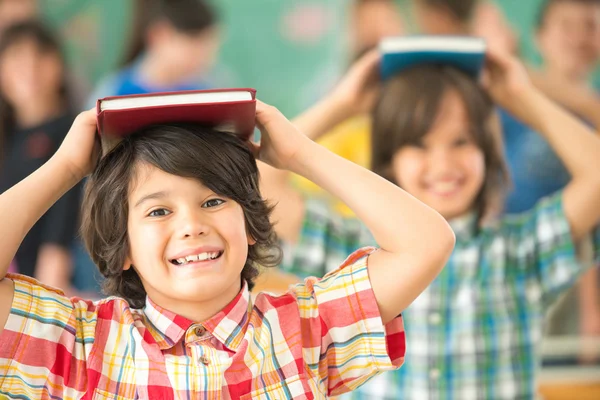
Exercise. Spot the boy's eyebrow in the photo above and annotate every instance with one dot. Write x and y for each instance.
(151, 196)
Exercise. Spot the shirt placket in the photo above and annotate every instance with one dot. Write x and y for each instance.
(208, 378)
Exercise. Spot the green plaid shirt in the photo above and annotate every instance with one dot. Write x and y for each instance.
(474, 333)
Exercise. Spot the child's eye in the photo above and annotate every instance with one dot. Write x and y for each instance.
(213, 203)
(159, 212)
(461, 142)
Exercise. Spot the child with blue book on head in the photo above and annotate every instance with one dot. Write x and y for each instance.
(175, 221)
(474, 333)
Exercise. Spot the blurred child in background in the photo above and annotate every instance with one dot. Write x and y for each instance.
(475, 331)
(568, 38)
(175, 44)
(34, 119)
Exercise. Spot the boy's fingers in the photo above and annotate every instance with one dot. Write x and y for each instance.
(255, 149)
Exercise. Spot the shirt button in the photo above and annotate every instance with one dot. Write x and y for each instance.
(200, 330)
(435, 318)
(204, 360)
(434, 374)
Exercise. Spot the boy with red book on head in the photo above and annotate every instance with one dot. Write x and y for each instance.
(174, 219)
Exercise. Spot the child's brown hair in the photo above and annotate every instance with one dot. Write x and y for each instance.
(220, 161)
(407, 109)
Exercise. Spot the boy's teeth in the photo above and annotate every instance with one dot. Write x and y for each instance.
(197, 257)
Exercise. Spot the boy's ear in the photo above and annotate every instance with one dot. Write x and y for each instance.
(127, 263)
(251, 240)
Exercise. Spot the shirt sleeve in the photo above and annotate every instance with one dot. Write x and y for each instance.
(45, 343)
(325, 240)
(544, 241)
(344, 340)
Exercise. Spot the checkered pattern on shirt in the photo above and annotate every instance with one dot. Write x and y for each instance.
(474, 333)
(325, 336)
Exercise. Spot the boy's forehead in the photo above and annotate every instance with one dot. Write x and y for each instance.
(148, 177)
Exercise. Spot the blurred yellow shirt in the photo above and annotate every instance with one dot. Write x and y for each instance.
(351, 140)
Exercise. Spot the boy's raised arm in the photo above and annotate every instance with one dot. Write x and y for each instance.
(23, 204)
(415, 241)
(577, 146)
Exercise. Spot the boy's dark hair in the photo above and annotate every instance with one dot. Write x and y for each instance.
(462, 10)
(229, 169)
(407, 109)
(187, 16)
(46, 41)
(547, 5)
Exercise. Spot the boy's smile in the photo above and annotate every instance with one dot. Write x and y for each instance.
(202, 256)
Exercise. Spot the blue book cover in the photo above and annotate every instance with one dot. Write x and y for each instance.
(401, 53)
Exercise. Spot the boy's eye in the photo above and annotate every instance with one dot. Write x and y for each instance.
(461, 142)
(213, 203)
(159, 212)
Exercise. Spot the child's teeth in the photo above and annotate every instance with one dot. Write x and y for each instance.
(197, 257)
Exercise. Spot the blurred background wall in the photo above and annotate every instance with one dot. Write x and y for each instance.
(268, 44)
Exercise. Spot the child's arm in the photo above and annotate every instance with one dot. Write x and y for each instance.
(578, 99)
(354, 95)
(415, 241)
(576, 145)
(23, 204)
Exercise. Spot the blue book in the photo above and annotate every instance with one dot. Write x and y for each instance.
(400, 53)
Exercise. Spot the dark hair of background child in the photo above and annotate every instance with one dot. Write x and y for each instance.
(187, 16)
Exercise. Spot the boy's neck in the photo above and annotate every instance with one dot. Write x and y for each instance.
(36, 113)
(197, 311)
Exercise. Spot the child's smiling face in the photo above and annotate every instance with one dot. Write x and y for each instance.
(446, 169)
(187, 243)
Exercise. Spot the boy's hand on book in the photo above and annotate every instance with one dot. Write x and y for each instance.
(80, 149)
(506, 79)
(358, 89)
(280, 140)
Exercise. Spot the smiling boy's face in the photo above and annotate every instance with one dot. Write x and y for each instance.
(188, 244)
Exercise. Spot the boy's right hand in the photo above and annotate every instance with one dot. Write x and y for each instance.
(80, 150)
(358, 89)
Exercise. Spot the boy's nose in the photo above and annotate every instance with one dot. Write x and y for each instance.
(440, 161)
(193, 225)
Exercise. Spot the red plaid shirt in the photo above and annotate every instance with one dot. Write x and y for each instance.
(323, 337)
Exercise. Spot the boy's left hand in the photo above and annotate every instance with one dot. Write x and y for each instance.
(506, 80)
(280, 139)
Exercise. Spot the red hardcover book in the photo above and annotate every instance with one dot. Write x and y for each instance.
(226, 109)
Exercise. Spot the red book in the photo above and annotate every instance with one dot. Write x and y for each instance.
(225, 109)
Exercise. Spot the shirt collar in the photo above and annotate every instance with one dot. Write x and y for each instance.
(228, 326)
